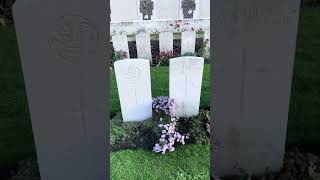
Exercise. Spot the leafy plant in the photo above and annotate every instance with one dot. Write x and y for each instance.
(117, 55)
(132, 135)
(198, 127)
(6, 11)
(27, 169)
(204, 52)
(164, 57)
(189, 54)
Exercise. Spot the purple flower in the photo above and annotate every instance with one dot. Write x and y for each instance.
(157, 148)
(166, 106)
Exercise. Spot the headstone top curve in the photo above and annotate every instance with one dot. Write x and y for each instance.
(131, 60)
(187, 57)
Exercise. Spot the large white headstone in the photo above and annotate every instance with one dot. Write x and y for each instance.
(134, 88)
(185, 84)
(253, 64)
(62, 46)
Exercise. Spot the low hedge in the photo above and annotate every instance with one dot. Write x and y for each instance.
(134, 135)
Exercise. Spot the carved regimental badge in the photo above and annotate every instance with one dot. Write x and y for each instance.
(73, 36)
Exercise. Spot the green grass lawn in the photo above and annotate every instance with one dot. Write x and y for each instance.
(186, 162)
(16, 140)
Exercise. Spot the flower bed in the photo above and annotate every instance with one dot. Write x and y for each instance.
(162, 131)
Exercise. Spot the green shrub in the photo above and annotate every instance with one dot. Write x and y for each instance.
(203, 53)
(198, 127)
(27, 170)
(296, 166)
(132, 135)
(164, 57)
(117, 55)
(189, 54)
(6, 12)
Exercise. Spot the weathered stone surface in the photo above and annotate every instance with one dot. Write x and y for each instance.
(254, 47)
(63, 56)
(134, 87)
(185, 84)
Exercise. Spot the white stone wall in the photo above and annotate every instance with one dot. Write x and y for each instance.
(128, 10)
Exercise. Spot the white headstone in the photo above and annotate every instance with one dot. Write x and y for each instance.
(62, 46)
(185, 84)
(120, 43)
(165, 41)
(253, 64)
(134, 88)
(188, 42)
(143, 46)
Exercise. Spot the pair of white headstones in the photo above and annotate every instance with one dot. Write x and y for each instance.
(134, 86)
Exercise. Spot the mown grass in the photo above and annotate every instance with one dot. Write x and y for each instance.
(186, 161)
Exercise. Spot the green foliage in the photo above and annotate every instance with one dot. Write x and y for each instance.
(27, 170)
(2, 22)
(6, 11)
(300, 166)
(117, 55)
(185, 161)
(189, 54)
(202, 52)
(132, 135)
(183, 175)
(164, 57)
(198, 127)
(296, 166)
